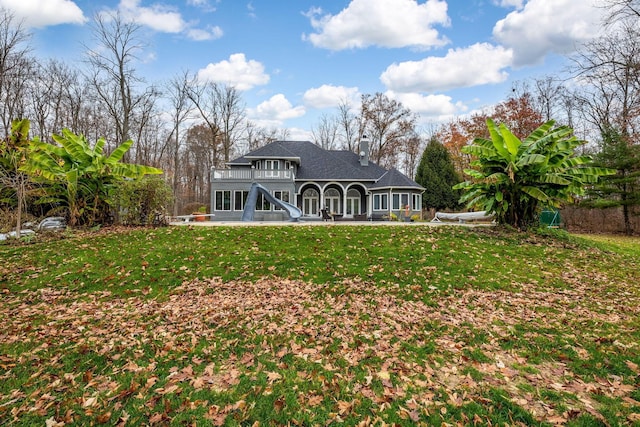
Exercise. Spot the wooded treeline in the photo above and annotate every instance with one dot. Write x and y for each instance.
(185, 126)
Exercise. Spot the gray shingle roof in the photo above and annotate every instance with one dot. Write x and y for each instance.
(318, 164)
(393, 178)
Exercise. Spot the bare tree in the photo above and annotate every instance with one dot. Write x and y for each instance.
(232, 116)
(197, 160)
(326, 133)
(548, 96)
(622, 10)
(15, 68)
(281, 134)
(349, 127)
(250, 140)
(254, 136)
(54, 97)
(611, 67)
(204, 97)
(386, 122)
(112, 71)
(178, 90)
(143, 116)
(411, 152)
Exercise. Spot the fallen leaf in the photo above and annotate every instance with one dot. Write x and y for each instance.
(156, 418)
(384, 375)
(51, 422)
(89, 402)
(273, 376)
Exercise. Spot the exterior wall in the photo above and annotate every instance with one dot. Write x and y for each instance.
(375, 204)
(237, 181)
(342, 188)
(388, 201)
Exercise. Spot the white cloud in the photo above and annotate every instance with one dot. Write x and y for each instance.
(277, 108)
(204, 5)
(237, 72)
(385, 23)
(544, 26)
(478, 64)
(436, 107)
(327, 96)
(200, 3)
(518, 4)
(157, 17)
(203, 35)
(42, 13)
(166, 19)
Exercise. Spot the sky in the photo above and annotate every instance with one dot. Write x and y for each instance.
(296, 60)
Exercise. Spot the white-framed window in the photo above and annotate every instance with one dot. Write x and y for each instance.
(332, 200)
(262, 204)
(417, 202)
(222, 200)
(310, 202)
(395, 201)
(272, 166)
(281, 195)
(404, 199)
(400, 201)
(353, 202)
(380, 202)
(239, 199)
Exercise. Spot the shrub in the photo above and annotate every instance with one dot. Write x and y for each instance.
(144, 201)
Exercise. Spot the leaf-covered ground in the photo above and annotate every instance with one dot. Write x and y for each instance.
(359, 350)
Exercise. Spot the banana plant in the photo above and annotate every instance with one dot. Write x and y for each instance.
(516, 178)
(81, 176)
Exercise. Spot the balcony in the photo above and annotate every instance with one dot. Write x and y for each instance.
(252, 174)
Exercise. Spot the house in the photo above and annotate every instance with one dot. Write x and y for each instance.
(347, 185)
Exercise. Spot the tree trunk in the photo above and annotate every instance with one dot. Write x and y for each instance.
(627, 220)
(20, 194)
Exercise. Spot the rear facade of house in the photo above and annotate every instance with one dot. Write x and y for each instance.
(346, 185)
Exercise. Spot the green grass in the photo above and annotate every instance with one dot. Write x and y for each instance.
(314, 325)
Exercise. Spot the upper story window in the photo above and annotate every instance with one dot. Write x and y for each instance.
(272, 164)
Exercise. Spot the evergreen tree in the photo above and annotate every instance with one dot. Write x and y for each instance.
(437, 174)
(621, 190)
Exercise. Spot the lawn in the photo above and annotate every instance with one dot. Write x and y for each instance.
(312, 325)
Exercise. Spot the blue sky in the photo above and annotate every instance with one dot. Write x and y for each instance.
(295, 60)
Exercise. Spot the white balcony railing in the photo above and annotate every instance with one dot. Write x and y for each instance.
(252, 174)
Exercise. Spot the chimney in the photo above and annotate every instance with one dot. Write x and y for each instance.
(364, 151)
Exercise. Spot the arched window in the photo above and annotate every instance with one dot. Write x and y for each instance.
(353, 202)
(332, 201)
(310, 202)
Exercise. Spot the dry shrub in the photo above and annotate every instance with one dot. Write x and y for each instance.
(192, 207)
(600, 221)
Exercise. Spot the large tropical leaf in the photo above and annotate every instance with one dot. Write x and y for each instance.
(479, 150)
(75, 146)
(119, 152)
(552, 179)
(531, 159)
(497, 140)
(536, 193)
(511, 141)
